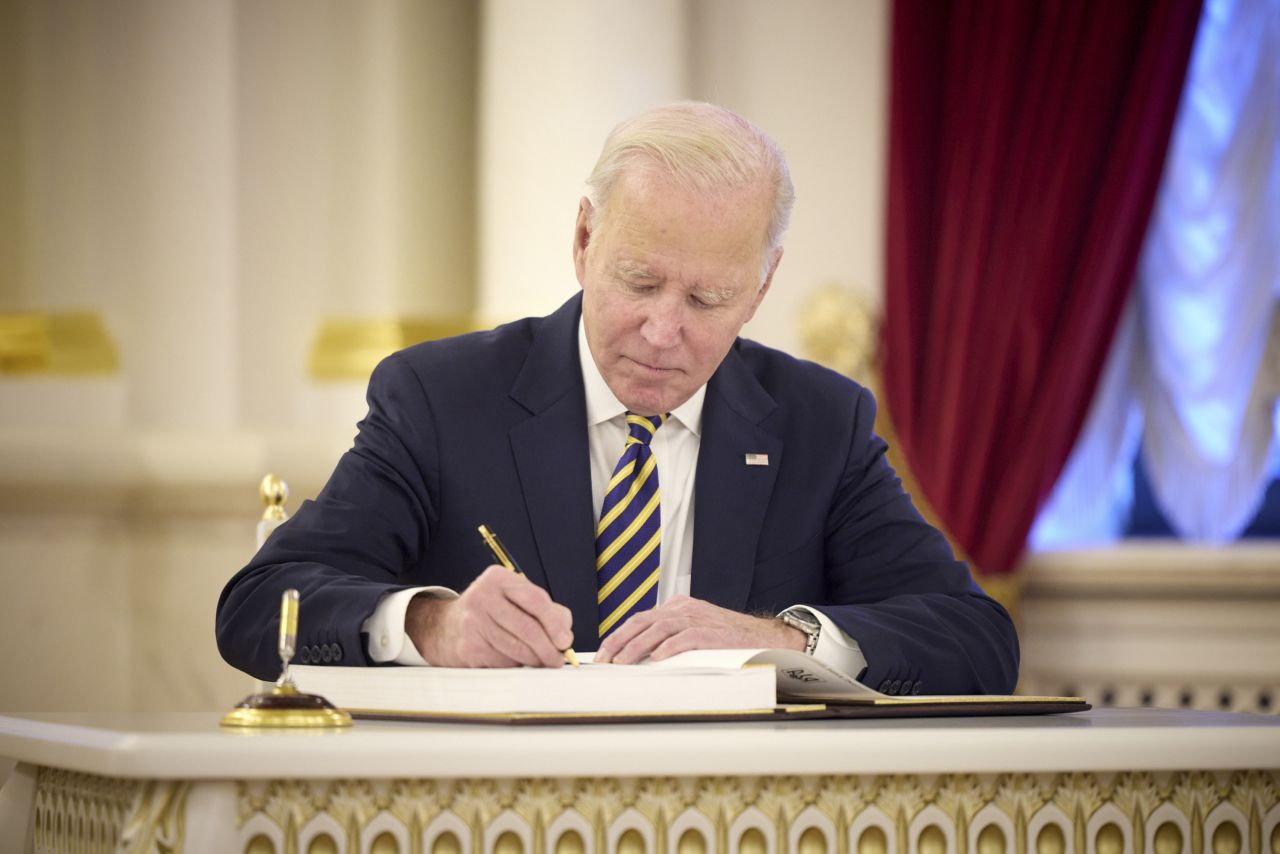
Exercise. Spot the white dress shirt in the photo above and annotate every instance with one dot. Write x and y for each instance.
(675, 448)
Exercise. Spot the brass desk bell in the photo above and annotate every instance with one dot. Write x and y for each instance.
(285, 705)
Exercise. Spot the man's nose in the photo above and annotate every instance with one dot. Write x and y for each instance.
(663, 325)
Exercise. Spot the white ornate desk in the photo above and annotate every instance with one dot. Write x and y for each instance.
(1111, 780)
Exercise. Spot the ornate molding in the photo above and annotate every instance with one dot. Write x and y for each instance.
(1225, 812)
(56, 343)
(347, 348)
(157, 818)
(80, 812)
(960, 813)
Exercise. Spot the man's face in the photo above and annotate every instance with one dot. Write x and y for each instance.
(668, 279)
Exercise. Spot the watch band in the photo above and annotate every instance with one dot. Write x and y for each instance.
(805, 622)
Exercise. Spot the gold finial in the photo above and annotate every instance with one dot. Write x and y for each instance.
(840, 329)
(274, 492)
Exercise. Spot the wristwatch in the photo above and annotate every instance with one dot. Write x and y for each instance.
(805, 622)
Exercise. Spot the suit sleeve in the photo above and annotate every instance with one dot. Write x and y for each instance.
(923, 624)
(347, 549)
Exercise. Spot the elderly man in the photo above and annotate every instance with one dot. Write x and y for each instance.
(664, 484)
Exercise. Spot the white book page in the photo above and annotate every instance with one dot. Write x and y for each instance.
(591, 688)
(799, 676)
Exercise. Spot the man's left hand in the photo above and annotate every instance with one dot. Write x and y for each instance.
(683, 623)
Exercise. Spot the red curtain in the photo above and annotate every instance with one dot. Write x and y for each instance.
(1026, 146)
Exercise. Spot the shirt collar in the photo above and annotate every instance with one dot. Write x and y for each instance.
(602, 406)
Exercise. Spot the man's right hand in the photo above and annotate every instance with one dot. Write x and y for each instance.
(501, 620)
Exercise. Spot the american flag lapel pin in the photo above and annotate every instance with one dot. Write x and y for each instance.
(757, 459)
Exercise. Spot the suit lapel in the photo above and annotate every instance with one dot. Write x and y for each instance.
(553, 463)
(731, 497)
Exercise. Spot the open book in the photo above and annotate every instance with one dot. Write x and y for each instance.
(717, 684)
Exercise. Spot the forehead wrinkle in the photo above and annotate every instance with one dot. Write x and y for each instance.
(656, 231)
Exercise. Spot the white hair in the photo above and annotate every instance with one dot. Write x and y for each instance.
(702, 147)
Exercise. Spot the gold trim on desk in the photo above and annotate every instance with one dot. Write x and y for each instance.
(37, 343)
(1232, 811)
(286, 718)
(349, 348)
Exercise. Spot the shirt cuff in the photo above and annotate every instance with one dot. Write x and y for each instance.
(835, 648)
(388, 642)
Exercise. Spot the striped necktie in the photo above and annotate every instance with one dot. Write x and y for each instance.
(629, 534)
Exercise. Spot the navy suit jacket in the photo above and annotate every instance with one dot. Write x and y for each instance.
(491, 428)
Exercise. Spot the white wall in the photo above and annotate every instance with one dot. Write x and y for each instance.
(813, 74)
(215, 178)
(556, 76)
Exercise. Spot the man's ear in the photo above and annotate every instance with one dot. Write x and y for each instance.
(582, 238)
(764, 287)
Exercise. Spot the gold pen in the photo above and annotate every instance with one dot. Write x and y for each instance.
(495, 545)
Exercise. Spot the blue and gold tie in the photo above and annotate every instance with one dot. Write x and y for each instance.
(629, 534)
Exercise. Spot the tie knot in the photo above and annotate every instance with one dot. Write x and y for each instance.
(640, 428)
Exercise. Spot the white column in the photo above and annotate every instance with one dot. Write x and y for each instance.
(13, 224)
(403, 148)
(813, 75)
(285, 174)
(53, 70)
(168, 223)
(357, 184)
(125, 178)
(556, 77)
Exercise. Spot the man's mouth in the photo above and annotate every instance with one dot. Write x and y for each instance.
(646, 367)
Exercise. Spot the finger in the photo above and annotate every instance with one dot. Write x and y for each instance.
(494, 575)
(623, 634)
(479, 639)
(640, 646)
(506, 626)
(514, 633)
(516, 651)
(684, 641)
(723, 630)
(471, 648)
(556, 620)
